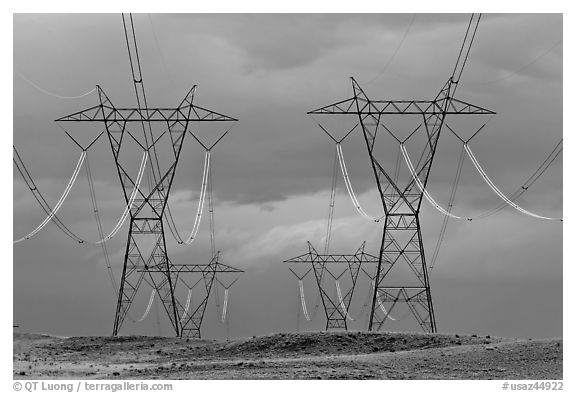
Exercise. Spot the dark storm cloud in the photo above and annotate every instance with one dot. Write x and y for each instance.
(300, 61)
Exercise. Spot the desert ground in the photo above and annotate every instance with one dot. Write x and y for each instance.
(310, 355)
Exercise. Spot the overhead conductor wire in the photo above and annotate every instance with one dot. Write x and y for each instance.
(40, 198)
(450, 205)
(130, 200)
(225, 306)
(530, 181)
(99, 225)
(381, 305)
(423, 189)
(59, 203)
(150, 301)
(341, 300)
(351, 193)
(200, 208)
(50, 93)
(187, 306)
(396, 50)
(500, 193)
(303, 300)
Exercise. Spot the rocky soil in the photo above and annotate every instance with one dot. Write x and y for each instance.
(318, 355)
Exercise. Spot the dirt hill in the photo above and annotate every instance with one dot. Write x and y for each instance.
(318, 355)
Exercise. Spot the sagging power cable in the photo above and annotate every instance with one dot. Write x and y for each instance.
(200, 208)
(187, 306)
(500, 193)
(380, 304)
(99, 225)
(225, 305)
(523, 67)
(395, 50)
(351, 193)
(530, 181)
(206, 188)
(50, 93)
(40, 198)
(148, 307)
(332, 203)
(341, 300)
(130, 200)
(450, 205)
(59, 203)
(423, 189)
(211, 211)
(303, 300)
(484, 176)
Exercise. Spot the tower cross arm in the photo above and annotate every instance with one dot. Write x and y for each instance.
(194, 268)
(185, 113)
(344, 107)
(333, 258)
(459, 107)
(400, 107)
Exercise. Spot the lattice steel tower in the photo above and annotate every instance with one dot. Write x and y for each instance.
(335, 307)
(161, 136)
(402, 236)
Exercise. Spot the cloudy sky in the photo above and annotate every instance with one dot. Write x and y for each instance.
(272, 173)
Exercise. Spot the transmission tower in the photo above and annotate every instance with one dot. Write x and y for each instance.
(146, 252)
(402, 237)
(191, 320)
(335, 307)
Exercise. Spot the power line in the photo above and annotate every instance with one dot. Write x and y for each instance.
(159, 48)
(211, 211)
(522, 68)
(396, 50)
(332, 203)
(40, 198)
(450, 205)
(49, 92)
(500, 193)
(99, 225)
(469, 46)
(531, 180)
(60, 202)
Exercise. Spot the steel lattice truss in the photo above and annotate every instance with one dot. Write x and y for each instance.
(335, 314)
(191, 320)
(147, 211)
(402, 237)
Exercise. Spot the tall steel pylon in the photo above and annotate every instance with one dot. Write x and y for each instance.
(148, 208)
(402, 236)
(146, 252)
